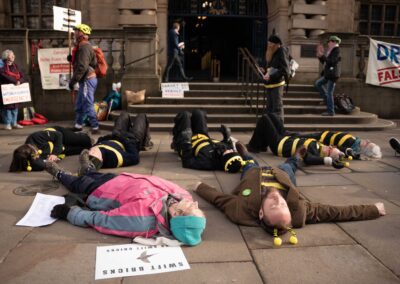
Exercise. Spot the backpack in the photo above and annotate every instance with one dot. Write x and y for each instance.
(101, 67)
(344, 104)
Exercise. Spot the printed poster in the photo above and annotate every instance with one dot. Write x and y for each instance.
(383, 64)
(54, 68)
(133, 259)
(15, 93)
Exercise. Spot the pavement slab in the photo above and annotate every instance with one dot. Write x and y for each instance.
(322, 180)
(322, 264)
(380, 238)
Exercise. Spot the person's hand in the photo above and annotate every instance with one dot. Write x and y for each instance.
(381, 208)
(53, 158)
(266, 77)
(320, 50)
(60, 211)
(69, 58)
(18, 83)
(194, 186)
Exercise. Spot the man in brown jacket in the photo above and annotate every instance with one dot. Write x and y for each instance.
(268, 196)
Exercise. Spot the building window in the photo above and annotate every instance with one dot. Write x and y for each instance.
(381, 18)
(33, 14)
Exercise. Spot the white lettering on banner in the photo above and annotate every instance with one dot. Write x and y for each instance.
(54, 68)
(174, 90)
(133, 259)
(13, 94)
(383, 64)
(65, 19)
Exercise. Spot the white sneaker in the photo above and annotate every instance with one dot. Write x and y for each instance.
(17, 126)
(7, 127)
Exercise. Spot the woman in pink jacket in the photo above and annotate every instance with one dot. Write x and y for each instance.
(131, 205)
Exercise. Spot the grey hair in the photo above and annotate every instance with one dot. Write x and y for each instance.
(6, 53)
(372, 151)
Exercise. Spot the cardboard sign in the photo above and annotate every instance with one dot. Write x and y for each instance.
(174, 90)
(54, 68)
(383, 64)
(133, 259)
(13, 94)
(66, 19)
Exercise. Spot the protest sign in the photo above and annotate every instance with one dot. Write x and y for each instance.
(66, 19)
(383, 64)
(174, 90)
(54, 68)
(15, 93)
(132, 259)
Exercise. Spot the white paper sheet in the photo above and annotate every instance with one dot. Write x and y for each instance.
(39, 212)
(130, 260)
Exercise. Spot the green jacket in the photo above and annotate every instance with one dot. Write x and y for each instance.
(242, 206)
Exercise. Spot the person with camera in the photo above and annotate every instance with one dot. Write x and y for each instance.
(325, 85)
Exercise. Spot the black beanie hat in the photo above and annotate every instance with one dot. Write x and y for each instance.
(232, 162)
(275, 39)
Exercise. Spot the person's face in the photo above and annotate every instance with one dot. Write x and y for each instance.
(331, 43)
(332, 152)
(11, 57)
(275, 209)
(185, 208)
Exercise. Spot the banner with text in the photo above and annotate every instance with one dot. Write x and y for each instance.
(383, 64)
(54, 68)
(13, 94)
(132, 259)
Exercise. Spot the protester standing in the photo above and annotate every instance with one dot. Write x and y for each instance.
(277, 73)
(10, 74)
(84, 64)
(331, 61)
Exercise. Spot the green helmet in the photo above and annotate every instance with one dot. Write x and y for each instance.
(83, 28)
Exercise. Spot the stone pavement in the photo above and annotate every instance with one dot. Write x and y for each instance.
(353, 252)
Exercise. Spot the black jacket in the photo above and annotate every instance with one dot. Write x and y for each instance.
(6, 79)
(173, 43)
(280, 63)
(332, 68)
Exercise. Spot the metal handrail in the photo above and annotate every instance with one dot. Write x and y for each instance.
(250, 79)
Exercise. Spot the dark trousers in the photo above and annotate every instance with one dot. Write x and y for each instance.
(275, 102)
(74, 142)
(174, 59)
(84, 184)
(137, 128)
(268, 132)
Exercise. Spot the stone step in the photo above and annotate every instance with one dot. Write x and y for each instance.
(233, 109)
(227, 100)
(239, 93)
(235, 86)
(380, 124)
(229, 119)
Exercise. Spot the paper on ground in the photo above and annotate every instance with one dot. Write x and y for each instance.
(39, 212)
(131, 260)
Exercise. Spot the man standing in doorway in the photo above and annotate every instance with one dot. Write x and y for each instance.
(84, 63)
(175, 51)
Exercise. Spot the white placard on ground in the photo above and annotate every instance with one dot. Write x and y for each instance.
(132, 259)
(39, 212)
(174, 90)
(66, 19)
(15, 93)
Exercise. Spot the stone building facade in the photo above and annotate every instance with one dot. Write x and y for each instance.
(130, 30)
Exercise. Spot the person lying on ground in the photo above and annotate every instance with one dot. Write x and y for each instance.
(50, 144)
(130, 205)
(122, 147)
(270, 132)
(268, 197)
(197, 150)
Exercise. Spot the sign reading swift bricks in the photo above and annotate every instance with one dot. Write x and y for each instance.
(130, 260)
(383, 64)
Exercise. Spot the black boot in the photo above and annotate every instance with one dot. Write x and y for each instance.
(395, 144)
(226, 133)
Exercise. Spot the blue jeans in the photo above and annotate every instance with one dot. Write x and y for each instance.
(325, 88)
(10, 116)
(289, 166)
(84, 103)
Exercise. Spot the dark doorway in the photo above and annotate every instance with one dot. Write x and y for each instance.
(208, 36)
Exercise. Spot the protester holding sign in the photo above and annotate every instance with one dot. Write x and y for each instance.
(131, 205)
(10, 74)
